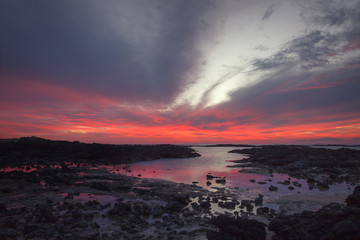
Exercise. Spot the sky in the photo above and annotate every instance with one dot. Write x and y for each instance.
(178, 71)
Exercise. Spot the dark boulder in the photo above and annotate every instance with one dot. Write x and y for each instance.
(354, 198)
(237, 229)
(205, 204)
(259, 200)
(221, 181)
(273, 188)
(227, 205)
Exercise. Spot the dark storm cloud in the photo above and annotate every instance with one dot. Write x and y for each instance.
(128, 49)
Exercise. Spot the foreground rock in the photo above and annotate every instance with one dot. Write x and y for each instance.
(331, 222)
(33, 150)
(80, 202)
(326, 166)
(237, 229)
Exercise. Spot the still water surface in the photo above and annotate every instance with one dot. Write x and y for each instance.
(215, 160)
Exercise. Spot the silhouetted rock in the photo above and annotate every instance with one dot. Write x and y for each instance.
(33, 150)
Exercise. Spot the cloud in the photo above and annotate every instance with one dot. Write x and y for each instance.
(180, 71)
(138, 50)
(269, 11)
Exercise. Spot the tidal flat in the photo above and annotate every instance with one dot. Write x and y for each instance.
(71, 190)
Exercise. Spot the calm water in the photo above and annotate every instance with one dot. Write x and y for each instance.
(215, 160)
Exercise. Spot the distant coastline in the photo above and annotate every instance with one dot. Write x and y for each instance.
(34, 150)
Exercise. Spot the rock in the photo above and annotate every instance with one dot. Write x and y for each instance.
(209, 177)
(237, 229)
(345, 228)
(76, 213)
(227, 205)
(297, 184)
(273, 188)
(221, 181)
(158, 211)
(285, 182)
(8, 233)
(43, 213)
(120, 208)
(89, 234)
(259, 200)
(262, 183)
(291, 188)
(262, 211)
(31, 228)
(205, 204)
(333, 221)
(252, 180)
(354, 198)
(208, 183)
(101, 186)
(323, 186)
(246, 203)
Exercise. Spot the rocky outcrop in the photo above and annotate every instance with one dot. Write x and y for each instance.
(333, 221)
(33, 150)
(305, 162)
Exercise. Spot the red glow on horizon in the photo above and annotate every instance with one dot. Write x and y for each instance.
(53, 111)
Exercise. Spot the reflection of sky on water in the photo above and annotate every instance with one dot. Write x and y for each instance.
(214, 160)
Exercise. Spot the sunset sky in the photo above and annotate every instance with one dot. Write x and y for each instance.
(179, 71)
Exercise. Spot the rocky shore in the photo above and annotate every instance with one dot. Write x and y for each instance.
(332, 222)
(80, 202)
(33, 150)
(59, 192)
(319, 166)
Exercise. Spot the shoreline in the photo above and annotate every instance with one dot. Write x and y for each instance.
(73, 200)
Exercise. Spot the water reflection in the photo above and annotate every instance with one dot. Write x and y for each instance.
(214, 161)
